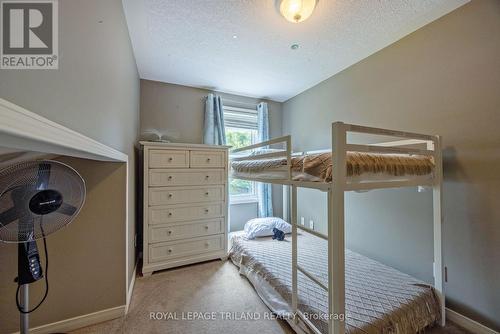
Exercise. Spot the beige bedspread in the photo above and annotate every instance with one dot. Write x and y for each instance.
(320, 165)
(379, 299)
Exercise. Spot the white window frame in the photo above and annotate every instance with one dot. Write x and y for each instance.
(245, 124)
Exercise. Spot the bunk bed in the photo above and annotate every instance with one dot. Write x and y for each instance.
(326, 298)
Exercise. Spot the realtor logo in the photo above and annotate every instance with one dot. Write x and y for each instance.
(29, 36)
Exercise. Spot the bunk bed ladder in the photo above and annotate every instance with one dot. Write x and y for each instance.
(296, 267)
(335, 238)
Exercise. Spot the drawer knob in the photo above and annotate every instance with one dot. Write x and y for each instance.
(170, 177)
(169, 232)
(170, 159)
(170, 195)
(206, 210)
(208, 159)
(206, 227)
(206, 193)
(207, 244)
(207, 177)
(170, 214)
(170, 250)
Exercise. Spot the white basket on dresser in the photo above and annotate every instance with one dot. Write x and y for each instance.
(185, 192)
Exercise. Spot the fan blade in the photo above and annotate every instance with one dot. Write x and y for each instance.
(67, 209)
(43, 176)
(8, 216)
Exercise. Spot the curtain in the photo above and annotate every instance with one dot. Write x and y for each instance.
(213, 130)
(264, 190)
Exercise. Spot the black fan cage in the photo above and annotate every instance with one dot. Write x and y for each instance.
(19, 184)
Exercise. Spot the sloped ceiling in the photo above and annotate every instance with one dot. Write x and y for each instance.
(244, 46)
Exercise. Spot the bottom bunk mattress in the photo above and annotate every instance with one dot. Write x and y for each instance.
(379, 299)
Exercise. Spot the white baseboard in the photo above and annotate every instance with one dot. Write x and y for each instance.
(467, 323)
(130, 290)
(80, 321)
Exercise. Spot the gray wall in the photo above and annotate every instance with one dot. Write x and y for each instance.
(240, 213)
(443, 79)
(180, 110)
(95, 91)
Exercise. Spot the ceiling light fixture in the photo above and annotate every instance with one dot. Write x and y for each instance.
(296, 10)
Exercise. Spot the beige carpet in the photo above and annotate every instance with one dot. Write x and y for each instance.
(208, 287)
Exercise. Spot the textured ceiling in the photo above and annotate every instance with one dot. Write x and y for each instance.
(243, 46)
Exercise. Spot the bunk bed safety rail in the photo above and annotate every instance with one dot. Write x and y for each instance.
(412, 144)
(270, 155)
(279, 140)
(393, 147)
(387, 149)
(384, 132)
(287, 152)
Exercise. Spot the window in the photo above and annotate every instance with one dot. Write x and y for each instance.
(241, 130)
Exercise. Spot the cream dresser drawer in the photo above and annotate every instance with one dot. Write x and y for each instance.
(175, 231)
(180, 195)
(185, 248)
(176, 213)
(168, 158)
(186, 177)
(207, 159)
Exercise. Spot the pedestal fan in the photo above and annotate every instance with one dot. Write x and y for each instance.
(37, 198)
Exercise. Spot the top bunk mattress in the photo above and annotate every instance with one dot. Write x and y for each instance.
(379, 299)
(318, 167)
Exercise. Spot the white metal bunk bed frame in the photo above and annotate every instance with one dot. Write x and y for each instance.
(336, 190)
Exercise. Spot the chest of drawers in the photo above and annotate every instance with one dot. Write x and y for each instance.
(185, 194)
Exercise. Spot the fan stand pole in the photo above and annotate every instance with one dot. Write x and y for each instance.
(25, 324)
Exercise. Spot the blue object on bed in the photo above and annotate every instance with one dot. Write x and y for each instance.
(278, 234)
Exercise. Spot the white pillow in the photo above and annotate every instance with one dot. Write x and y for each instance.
(263, 227)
